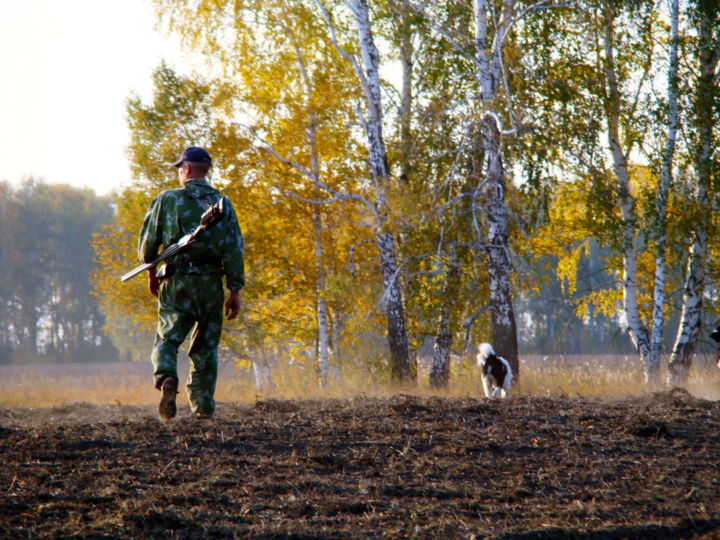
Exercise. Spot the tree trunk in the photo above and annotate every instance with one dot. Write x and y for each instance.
(440, 370)
(320, 279)
(704, 114)
(402, 370)
(406, 61)
(638, 332)
(489, 57)
(652, 369)
(338, 324)
(502, 317)
(322, 309)
(690, 323)
(370, 79)
(263, 375)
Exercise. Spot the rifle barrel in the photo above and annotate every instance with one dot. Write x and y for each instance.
(134, 272)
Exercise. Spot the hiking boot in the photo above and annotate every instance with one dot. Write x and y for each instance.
(167, 407)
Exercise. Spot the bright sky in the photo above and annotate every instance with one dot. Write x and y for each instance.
(67, 67)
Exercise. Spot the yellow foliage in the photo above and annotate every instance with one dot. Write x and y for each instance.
(568, 267)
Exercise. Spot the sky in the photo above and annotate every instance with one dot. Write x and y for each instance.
(67, 68)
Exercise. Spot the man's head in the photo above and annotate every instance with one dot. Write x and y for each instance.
(193, 163)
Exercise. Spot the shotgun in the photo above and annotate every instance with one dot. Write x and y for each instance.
(209, 218)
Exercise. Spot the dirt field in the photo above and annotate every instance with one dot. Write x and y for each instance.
(402, 466)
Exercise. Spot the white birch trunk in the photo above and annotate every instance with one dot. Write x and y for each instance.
(488, 74)
(370, 79)
(320, 279)
(440, 369)
(338, 323)
(406, 52)
(401, 369)
(262, 373)
(485, 80)
(706, 95)
(690, 322)
(652, 368)
(497, 248)
(322, 309)
(638, 332)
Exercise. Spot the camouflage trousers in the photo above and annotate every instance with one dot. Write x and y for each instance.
(190, 302)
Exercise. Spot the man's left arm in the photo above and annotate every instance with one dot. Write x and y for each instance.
(233, 263)
(150, 238)
(233, 257)
(149, 241)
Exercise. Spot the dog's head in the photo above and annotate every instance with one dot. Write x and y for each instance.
(486, 351)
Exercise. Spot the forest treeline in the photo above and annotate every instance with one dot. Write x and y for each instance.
(540, 175)
(47, 311)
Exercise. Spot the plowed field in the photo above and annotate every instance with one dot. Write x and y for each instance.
(398, 467)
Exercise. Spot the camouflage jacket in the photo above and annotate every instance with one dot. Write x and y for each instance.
(176, 212)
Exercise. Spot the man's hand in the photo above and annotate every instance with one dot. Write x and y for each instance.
(232, 306)
(153, 283)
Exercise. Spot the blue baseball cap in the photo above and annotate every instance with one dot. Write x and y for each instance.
(194, 154)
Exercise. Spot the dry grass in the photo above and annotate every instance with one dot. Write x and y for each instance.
(122, 383)
(619, 377)
(131, 383)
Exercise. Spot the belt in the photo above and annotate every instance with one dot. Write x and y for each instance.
(166, 271)
(194, 263)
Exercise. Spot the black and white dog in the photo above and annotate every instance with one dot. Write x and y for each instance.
(496, 372)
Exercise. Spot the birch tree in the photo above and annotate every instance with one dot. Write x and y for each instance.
(317, 215)
(620, 150)
(652, 366)
(492, 118)
(402, 369)
(706, 99)
(489, 72)
(440, 369)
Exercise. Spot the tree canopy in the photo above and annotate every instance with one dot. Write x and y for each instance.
(526, 151)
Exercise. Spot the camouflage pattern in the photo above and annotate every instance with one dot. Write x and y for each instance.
(192, 298)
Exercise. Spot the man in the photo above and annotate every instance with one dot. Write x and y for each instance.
(189, 286)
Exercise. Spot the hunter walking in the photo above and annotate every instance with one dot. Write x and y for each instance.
(189, 285)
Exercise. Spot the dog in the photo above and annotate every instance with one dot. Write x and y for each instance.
(496, 372)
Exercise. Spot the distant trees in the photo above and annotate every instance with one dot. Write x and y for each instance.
(47, 311)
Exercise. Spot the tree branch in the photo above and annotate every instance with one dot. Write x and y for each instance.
(295, 165)
(467, 325)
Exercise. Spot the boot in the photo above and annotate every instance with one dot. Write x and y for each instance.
(167, 407)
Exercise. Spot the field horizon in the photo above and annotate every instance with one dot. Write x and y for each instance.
(131, 383)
